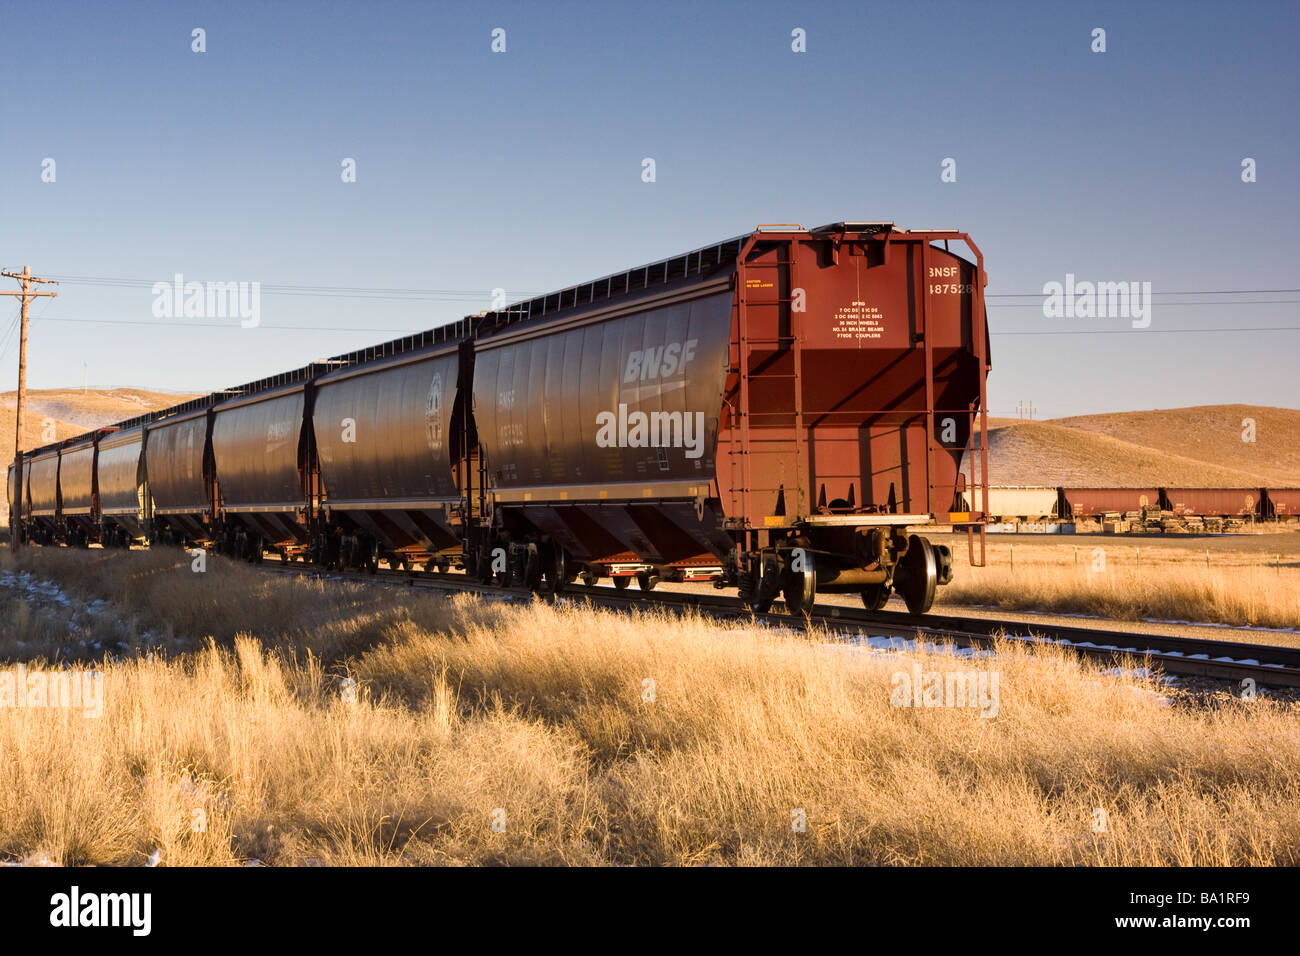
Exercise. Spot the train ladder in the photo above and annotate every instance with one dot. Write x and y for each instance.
(747, 344)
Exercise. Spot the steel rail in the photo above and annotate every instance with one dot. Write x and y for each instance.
(1266, 664)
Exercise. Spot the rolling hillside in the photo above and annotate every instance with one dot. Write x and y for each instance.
(1189, 447)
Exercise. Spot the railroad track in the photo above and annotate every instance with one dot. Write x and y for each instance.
(1267, 665)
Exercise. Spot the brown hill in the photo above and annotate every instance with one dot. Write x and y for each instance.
(1188, 447)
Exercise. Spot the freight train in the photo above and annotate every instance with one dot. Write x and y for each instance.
(1042, 503)
(775, 413)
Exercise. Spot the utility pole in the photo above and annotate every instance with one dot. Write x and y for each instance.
(15, 504)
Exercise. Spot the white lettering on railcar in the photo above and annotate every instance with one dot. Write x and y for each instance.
(511, 434)
(278, 431)
(660, 362)
(857, 320)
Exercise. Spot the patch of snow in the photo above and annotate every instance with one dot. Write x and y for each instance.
(39, 858)
(1228, 627)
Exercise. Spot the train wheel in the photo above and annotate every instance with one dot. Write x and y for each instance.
(621, 582)
(874, 596)
(768, 586)
(556, 569)
(799, 587)
(589, 578)
(646, 580)
(920, 571)
(533, 570)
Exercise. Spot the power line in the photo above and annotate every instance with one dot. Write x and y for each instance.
(1039, 295)
(324, 328)
(233, 324)
(458, 294)
(1148, 331)
(350, 292)
(1037, 305)
(9, 333)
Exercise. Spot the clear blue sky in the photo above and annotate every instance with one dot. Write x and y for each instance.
(522, 170)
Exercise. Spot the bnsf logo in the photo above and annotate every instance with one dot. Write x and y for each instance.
(279, 431)
(661, 362)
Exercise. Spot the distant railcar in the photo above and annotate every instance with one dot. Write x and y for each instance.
(261, 462)
(42, 512)
(1282, 503)
(1026, 503)
(1091, 502)
(389, 444)
(124, 502)
(78, 500)
(1214, 502)
(178, 462)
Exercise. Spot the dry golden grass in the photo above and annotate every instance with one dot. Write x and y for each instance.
(537, 716)
(1117, 578)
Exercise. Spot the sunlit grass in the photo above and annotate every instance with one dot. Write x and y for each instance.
(591, 737)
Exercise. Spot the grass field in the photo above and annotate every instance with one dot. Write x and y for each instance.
(343, 724)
